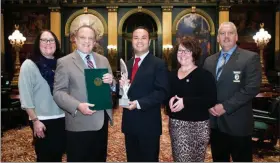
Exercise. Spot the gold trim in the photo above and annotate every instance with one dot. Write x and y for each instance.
(112, 8)
(85, 10)
(80, 12)
(189, 11)
(54, 9)
(133, 11)
(193, 9)
(167, 8)
(224, 8)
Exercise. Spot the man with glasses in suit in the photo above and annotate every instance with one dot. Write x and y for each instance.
(87, 130)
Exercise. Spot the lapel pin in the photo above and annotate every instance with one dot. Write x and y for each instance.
(187, 80)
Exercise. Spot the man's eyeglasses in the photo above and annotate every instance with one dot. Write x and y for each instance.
(45, 41)
(183, 51)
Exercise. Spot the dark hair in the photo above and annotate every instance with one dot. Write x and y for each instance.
(142, 27)
(191, 44)
(35, 56)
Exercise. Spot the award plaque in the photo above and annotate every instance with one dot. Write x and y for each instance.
(123, 101)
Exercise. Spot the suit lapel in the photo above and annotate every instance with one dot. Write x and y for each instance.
(141, 69)
(97, 60)
(78, 61)
(229, 64)
(216, 57)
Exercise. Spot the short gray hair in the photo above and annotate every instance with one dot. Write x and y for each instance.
(230, 24)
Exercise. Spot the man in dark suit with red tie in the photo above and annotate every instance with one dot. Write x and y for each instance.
(141, 121)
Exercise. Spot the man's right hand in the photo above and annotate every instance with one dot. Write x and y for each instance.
(84, 108)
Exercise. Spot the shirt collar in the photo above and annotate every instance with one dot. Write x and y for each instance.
(230, 51)
(142, 56)
(83, 55)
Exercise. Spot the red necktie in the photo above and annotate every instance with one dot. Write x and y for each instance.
(135, 68)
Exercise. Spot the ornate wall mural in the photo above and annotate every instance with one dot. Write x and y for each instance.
(197, 26)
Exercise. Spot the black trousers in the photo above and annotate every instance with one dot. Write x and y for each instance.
(88, 146)
(142, 148)
(52, 146)
(224, 145)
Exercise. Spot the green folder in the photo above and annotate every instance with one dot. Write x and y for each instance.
(98, 93)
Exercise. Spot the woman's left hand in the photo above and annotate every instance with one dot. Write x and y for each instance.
(178, 105)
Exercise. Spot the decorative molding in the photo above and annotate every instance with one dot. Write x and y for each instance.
(80, 12)
(189, 11)
(54, 9)
(167, 8)
(112, 8)
(193, 9)
(85, 10)
(224, 8)
(139, 8)
(133, 11)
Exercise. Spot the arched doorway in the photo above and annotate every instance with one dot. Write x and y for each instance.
(135, 20)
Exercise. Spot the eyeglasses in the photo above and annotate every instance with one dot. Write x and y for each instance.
(184, 51)
(45, 41)
(90, 39)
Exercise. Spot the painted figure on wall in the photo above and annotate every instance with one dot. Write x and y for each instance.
(197, 26)
(94, 22)
(31, 23)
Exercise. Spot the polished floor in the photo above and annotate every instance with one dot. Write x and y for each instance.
(16, 145)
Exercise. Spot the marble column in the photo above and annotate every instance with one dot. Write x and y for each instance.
(223, 14)
(55, 19)
(167, 25)
(112, 25)
(113, 36)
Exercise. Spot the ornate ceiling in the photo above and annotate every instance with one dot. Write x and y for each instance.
(133, 2)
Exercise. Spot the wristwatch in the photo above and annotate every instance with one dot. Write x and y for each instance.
(34, 120)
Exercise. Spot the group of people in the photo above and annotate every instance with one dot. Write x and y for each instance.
(208, 103)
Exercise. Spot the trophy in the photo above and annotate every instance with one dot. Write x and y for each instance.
(123, 102)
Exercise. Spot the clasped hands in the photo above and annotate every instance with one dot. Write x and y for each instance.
(132, 104)
(176, 106)
(217, 110)
(84, 107)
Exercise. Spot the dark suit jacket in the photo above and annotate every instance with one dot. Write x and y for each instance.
(150, 88)
(238, 84)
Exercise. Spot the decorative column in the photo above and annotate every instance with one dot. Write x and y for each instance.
(223, 13)
(167, 25)
(277, 36)
(113, 36)
(55, 17)
(167, 34)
